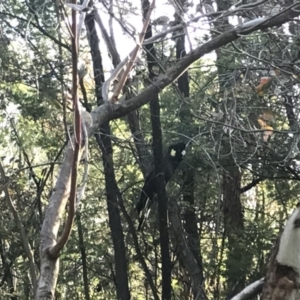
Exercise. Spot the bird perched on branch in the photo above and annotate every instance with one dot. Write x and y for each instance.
(171, 160)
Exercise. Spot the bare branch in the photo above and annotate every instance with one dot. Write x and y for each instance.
(42, 30)
(109, 41)
(251, 185)
(250, 291)
(202, 16)
(116, 110)
(241, 129)
(134, 55)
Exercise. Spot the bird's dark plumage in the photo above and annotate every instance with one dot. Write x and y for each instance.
(171, 161)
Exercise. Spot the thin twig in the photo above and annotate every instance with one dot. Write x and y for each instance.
(134, 55)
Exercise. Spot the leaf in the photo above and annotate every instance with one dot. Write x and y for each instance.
(267, 116)
(261, 123)
(267, 134)
(264, 84)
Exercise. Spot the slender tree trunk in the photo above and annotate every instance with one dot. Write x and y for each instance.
(83, 258)
(190, 219)
(162, 200)
(231, 185)
(234, 230)
(159, 170)
(104, 143)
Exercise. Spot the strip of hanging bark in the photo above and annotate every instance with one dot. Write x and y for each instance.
(122, 81)
(55, 250)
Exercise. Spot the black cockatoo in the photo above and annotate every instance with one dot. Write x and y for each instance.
(171, 161)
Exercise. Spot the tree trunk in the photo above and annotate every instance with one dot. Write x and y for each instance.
(283, 270)
(104, 143)
(190, 219)
(159, 169)
(234, 226)
(83, 258)
(231, 185)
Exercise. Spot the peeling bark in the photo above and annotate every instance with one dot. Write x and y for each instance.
(283, 269)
